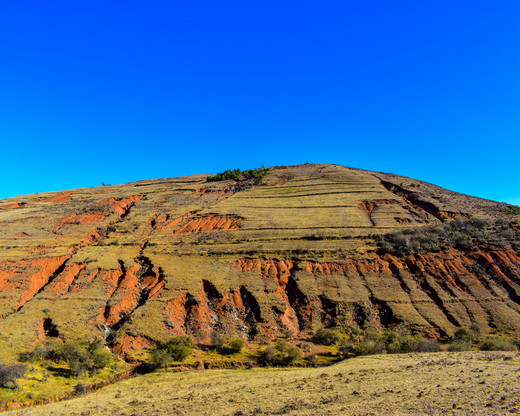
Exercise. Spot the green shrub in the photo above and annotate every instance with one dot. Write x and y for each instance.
(389, 342)
(393, 347)
(160, 358)
(411, 343)
(346, 349)
(256, 174)
(312, 360)
(81, 356)
(498, 344)
(39, 353)
(101, 358)
(464, 334)
(267, 356)
(290, 355)
(282, 353)
(324, 336)
(391, 337)
(369, 347)
(177, 348)
(372, 344)
(235, 345)
(516, 341)
(232, 346)
(80, 389)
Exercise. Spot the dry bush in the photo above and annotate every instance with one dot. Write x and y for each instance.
(9, 373)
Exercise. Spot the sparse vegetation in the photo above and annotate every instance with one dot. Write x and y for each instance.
(461, 234)
(465, 339)
(512, 210)
(389, 342)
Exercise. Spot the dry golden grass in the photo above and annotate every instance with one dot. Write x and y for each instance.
(408, 384)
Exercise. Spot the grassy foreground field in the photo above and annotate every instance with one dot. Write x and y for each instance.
(483, 383)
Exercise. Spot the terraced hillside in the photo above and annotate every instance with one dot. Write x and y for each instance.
(150, 259)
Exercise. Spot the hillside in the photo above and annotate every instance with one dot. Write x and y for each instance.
(297, 251)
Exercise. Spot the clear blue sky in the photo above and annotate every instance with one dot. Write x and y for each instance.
(118, 91)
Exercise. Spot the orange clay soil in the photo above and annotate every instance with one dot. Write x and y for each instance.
(210, 223)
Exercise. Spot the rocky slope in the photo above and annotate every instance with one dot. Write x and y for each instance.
(150, 259)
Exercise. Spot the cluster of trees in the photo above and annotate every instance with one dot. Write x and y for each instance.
(178, 348)
(225, 176)
(81, 356)
(391, 342)
(255, 174)
(361, 343)
(461, 234)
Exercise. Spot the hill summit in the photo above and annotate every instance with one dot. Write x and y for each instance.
(277, 251)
